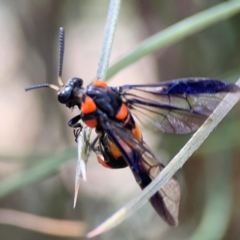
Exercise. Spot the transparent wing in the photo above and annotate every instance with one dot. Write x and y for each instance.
(177, 106)
(166, 200)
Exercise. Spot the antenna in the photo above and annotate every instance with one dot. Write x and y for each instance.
(42, 86)
(60, 63)
(61, 53)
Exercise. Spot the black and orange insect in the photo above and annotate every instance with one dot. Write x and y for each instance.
(177, 106)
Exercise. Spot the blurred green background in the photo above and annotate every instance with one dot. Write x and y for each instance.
(37, 149)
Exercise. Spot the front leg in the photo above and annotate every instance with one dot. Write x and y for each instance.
(75, 122)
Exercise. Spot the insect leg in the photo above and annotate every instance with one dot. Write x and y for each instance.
(74, 122)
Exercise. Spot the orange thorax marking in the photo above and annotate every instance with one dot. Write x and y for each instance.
(122, 113)
(88, 105)
(100, 83)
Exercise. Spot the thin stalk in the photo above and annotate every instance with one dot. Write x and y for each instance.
(109, 32)
(84, 137)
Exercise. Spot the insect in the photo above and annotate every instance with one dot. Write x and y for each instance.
(177, 106)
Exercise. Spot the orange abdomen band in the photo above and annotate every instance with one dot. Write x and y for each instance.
(137, 133)
(102, 162)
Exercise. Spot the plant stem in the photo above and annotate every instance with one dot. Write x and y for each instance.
(84, 137)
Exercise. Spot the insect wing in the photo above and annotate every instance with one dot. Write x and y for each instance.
(166, 200)
(177, 106)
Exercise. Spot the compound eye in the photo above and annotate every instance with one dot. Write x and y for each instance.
(65, 94)
(78, 82)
